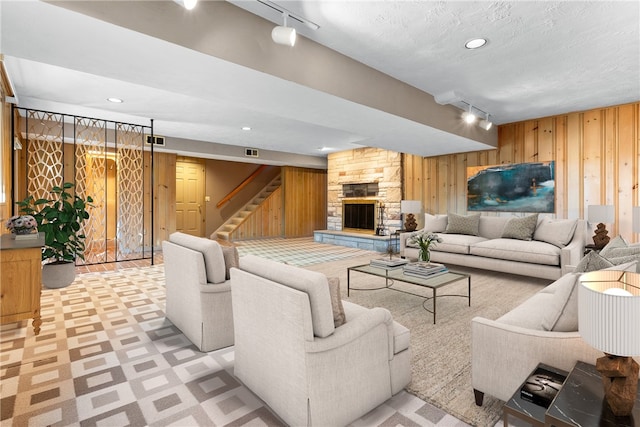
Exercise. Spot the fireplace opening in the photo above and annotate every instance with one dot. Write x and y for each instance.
(359, 215)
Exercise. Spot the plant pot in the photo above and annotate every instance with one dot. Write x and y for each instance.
(58, 274)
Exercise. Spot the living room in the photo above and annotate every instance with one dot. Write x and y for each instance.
(595, 150)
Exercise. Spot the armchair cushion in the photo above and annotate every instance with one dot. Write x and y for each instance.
(314, 284)
(213, 257)
(336, 301)
(231, 258)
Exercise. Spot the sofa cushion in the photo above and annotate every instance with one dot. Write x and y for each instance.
(561, 312)
(314, 284)
(435, 223)
(457, 243)
(591, 262)
(518, 250)
(491, 227)
(231, 258)
(558, 232)
(616, 242)
(463, 224)
(336, 301)
(211, 251)
(520, 228)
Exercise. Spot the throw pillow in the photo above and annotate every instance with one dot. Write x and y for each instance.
(520, 228)
(591, 262)
(621, 252)
(435, 223)
(339, 318)
(231, 259)
(557, 232)
(616, 242)
(562, 312)
(463, 224)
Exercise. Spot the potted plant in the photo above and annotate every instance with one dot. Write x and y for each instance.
(60, 218)
(424, 242)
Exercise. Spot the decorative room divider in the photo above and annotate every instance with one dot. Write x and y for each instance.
(110, 161)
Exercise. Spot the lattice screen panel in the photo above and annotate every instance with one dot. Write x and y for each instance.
(45, 135)
(130, 145)
(91, 180)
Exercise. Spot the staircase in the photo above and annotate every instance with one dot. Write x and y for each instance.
(225, 231)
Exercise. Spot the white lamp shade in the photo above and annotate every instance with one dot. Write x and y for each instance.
(610, 321)
(410, 206)
(284, 35)
(601, 213)
(636, 219)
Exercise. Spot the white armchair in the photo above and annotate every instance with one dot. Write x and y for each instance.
(288, 352)
(198, 295)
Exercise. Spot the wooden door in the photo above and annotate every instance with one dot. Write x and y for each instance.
(190, 196)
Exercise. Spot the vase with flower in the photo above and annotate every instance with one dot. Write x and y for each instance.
(425, 242)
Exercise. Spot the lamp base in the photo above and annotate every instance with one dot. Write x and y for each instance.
(601, 238)
(620, 380)
(410, 223)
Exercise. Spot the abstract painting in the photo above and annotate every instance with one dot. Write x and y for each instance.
(521, 187)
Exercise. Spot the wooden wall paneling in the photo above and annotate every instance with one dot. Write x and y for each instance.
(443, 184)
(574, 189)
(622, 162)
(431, 189)
(530, 141)
(560, 157)
(460, 181)
(266, 220)
(506, 138)
(594, 189)
(413, 178)
(305, 191)
(545, 142)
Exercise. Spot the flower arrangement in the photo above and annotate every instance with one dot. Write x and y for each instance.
(425, 241)
(22, 224)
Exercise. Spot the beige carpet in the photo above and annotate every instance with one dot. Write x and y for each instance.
(441, 355)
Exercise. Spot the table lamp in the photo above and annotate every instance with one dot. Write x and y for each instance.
(609, 320)
(601, 214)
(409, 208)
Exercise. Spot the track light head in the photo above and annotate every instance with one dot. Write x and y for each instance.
(469, 117)
(284, 35)
(486, 123)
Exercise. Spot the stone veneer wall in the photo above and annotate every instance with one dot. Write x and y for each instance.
(363, 165)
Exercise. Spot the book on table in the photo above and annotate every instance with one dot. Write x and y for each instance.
(542, 386)
(388, 263)
(424, 269)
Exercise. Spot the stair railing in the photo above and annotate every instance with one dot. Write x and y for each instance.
(243, 184)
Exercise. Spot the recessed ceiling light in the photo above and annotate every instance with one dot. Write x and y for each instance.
(475, 43)
(115, 100)
(246, 128)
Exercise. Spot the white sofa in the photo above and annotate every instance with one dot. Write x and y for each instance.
(555, 247)
(289, 352)
(198, 295)
(543, 329)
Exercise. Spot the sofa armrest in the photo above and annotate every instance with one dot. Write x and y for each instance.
(571, 254)
(404, 237)
(354, 329)
(503, 355)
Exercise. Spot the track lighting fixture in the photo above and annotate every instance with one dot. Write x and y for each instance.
(485, 123)
(187, 4)
(284, 35)
(468, 116)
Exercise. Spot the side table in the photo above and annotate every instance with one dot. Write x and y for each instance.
(580, 402)
(525, 410)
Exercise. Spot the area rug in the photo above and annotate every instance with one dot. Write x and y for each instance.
(106, 356)
(441, 353)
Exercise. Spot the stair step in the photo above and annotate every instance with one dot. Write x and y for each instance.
(223, 235)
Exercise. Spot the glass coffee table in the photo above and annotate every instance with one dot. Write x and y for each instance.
(392, 275)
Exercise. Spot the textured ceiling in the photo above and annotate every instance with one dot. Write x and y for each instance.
(543, 58)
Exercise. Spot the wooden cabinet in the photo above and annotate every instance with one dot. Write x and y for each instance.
(21, 280)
